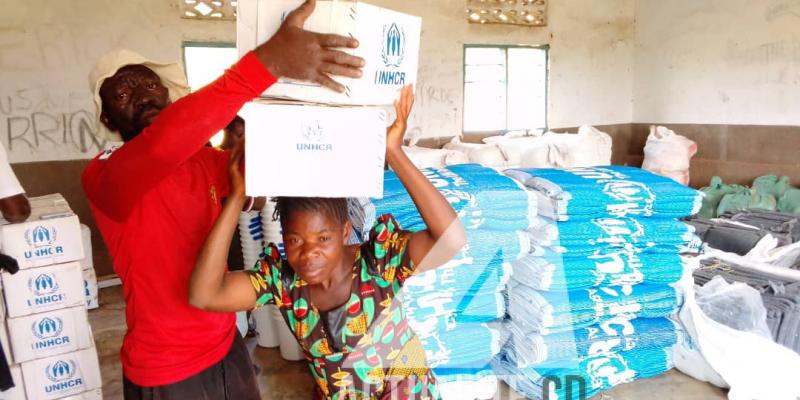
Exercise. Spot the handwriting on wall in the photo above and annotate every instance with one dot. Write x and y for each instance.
(435, 109)
(777, 61)
(34, 123)
(774, 52)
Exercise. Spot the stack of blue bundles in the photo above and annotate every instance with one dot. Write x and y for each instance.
(541, 312)
(619, 333)
(586, 377)
(597, 287)
(556, 272)
(585, 193)
(456, 310)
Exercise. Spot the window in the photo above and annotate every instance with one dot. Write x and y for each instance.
(505, 88)
(204, 63)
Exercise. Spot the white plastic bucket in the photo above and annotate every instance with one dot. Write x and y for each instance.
(290, 350)
(265, 326)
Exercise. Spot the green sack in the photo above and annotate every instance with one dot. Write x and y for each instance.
(772, 185)
(746, 200)
(714, 193)
(790, 201)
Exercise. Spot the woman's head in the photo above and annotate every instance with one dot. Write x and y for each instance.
(315, 232)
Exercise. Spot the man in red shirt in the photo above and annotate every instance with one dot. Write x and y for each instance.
(156, 197)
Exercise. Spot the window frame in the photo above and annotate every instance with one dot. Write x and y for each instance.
(196, 43)
(193, 43)
(505, 48)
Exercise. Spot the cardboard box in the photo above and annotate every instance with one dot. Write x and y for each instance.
(314, 151)
(87, 262)
(43, 289)
(49, 334)
(63, 375)
(18, 391)
(90, 288)
(51, 235)
(388, 41)
(6, 344)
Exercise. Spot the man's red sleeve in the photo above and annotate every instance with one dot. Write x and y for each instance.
(116, 184)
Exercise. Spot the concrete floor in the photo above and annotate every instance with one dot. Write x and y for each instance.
(282, 380)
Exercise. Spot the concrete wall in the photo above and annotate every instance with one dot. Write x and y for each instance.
(591, 56)
(722, 64)
(47, 49)
(717, 62)
(46, 111)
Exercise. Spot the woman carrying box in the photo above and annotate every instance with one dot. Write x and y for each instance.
(339, 299)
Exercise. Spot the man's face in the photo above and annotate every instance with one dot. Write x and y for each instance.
(132, 99)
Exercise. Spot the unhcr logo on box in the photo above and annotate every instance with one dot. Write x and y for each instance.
(62, 375)
(45, 289)
(48, 331)
(392, 54)
(41, 240)
(313, 138)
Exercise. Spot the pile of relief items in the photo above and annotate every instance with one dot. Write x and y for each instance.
(592, 301)
(779, 289)
(457, 309)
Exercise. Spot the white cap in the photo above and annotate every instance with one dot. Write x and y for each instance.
(171, 74)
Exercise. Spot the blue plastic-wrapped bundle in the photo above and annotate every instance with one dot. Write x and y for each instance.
(487, 246)
(585, 193)
(443, 302)
(445, 309)
(552, 312)
(484, 246)
(454, 373)
(640, 233)
(461, 277)
(616, 335)
(615, 267)
(586, 378)
(586, 251)
(472, 344)
(480, 196)
(472, 177)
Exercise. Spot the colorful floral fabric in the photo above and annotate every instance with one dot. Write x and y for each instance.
(381, 355)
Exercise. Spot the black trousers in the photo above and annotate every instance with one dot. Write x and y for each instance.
(6, 380)
(233, 378)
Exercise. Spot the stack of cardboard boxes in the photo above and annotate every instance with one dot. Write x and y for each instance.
(87, 269)
(45, 329)
(304, 146)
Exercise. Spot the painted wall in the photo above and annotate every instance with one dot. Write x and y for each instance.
(591, 57)
(683, 61)
(717, 62)
(47, 49)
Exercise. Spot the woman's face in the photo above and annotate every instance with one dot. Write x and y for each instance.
(314, 242)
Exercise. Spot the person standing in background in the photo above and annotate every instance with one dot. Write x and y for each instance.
(14, 204)
(15, 208)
